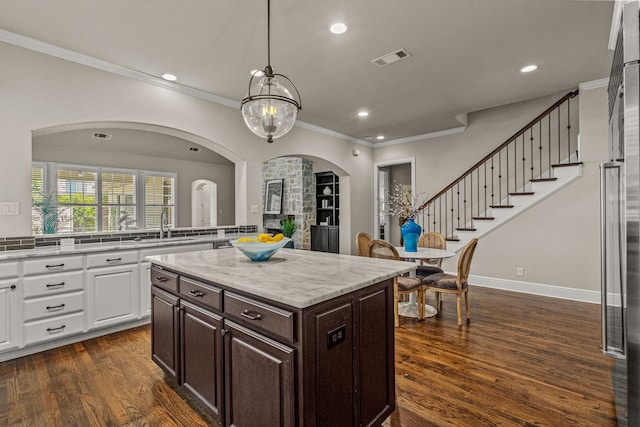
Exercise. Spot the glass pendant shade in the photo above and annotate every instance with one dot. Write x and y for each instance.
(269, 110)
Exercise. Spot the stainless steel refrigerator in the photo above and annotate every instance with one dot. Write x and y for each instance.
(620, 217)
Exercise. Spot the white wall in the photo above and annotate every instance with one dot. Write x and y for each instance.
(38, 91)
(557, 241)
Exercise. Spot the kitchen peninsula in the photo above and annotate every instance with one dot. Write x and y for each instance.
(304, 339)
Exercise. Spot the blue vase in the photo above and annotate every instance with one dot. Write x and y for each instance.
(410, 233)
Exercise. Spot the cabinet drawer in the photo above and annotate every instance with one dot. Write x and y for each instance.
(52, 284)
(55, 305)
(55, 328)
(254, 313)
(9, 269)
(111, 258)
(52, 265)
(164, 279)
(201, 292)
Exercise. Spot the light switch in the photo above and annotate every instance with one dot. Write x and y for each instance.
(9, 208)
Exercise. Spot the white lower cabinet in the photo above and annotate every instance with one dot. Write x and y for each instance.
(53, 298)
(145, 289)
(53, 328)
(112, 295)
(9, 316)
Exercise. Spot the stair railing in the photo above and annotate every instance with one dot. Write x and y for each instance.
(530, 155)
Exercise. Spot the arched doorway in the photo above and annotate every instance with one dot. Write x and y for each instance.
(204, 203)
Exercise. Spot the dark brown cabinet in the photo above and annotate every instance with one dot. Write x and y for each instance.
(164, 332)
(250, 361)
(325, 234)
(201, 373)
(260, 379)
(325, 238)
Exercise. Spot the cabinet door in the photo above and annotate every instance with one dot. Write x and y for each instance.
(8, 314)
(259, 379)
(112, 295)
(334, 240)
(376, 355)
(164, 332)
(319, 238)
(201, 357)
(145, 289)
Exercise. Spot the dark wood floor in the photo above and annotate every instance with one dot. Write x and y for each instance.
(524, 360)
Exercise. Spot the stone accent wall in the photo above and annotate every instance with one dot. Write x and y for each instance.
(298, 195)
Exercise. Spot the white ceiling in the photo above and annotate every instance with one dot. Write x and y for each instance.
(466, 54)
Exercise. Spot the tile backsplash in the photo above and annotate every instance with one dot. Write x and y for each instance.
(31, 242)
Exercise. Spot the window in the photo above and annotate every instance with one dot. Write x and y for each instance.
(74, 198)
(118, 201)
(38, 198)
(159, 195)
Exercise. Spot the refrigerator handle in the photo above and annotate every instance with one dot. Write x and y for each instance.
(608, 348)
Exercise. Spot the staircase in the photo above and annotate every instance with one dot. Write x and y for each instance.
(535, 162)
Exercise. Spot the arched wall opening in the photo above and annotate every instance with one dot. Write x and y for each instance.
(144, 146)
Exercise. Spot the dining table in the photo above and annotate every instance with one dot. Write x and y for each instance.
(410, 308)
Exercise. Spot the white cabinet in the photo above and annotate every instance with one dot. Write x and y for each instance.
(112, 295)
(53, 298)
(9, 316)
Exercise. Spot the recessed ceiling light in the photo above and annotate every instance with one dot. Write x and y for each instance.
(257, 73)
(528, 68)
(380, 137)
(363, 113)
(338, 28)
(170, 77)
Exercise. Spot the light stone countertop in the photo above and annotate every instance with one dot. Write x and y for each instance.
(85, 248)
(293, 277)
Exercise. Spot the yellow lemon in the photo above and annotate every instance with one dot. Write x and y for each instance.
(278, 237)
(245, 239)
(265, 238)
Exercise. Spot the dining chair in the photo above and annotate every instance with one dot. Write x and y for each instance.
(454, 284)
(362, 243)
(401, 284)
(434, 240)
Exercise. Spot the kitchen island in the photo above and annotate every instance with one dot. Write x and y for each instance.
(304, 339)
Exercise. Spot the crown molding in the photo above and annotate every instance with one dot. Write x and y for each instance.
(594, 84)
(429, 135)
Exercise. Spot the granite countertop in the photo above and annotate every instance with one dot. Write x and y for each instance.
(294, 277)
(81, 249)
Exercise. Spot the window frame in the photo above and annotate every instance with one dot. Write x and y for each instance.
(50, 186)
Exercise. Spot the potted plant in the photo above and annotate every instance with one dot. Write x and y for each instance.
(288, 229)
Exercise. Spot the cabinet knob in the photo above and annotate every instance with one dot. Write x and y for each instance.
(223, 332)
(13, 287)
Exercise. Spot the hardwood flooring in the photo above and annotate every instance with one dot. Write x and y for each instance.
(523, 361)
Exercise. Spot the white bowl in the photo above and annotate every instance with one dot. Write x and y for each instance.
(259, 251)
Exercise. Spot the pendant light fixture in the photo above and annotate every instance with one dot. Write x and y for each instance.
(269, 109)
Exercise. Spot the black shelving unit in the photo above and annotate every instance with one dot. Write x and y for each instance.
(327, 205)
(325, 235)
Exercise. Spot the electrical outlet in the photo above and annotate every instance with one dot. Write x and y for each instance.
(520, 271)
(336, 336)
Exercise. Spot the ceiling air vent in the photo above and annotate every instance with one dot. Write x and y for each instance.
(390, 58)
(101, 135)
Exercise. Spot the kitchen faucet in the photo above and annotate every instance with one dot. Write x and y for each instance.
(163, 220)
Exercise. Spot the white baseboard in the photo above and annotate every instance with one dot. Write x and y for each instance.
(537, 289)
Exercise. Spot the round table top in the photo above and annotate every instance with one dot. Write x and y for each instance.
(424, 253)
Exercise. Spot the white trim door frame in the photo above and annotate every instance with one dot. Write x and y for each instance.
(376, 182)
